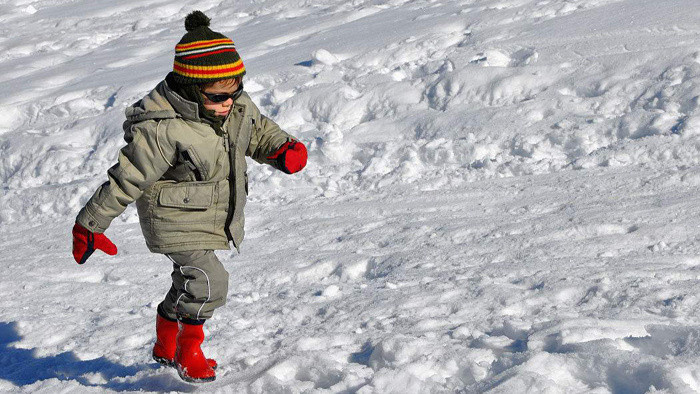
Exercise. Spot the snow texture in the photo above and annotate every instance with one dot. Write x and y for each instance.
(501, 196)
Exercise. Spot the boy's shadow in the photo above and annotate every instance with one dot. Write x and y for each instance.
(21, 367)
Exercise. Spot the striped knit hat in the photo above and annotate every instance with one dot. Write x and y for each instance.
(203, 55)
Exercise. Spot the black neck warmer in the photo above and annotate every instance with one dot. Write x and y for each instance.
(191, 92)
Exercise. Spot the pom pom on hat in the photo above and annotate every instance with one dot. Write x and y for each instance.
(196, 19)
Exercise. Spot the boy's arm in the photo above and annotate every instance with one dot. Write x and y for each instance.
(141, 162)
(265, 139)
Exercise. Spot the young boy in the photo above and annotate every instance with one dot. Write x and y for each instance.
(184, 165)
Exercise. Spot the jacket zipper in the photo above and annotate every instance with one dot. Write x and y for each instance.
(231, 183)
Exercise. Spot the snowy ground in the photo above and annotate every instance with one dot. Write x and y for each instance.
(502, 196)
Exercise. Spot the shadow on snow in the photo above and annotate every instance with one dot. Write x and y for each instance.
(21, 367)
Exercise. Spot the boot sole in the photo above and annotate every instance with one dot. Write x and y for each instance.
(171, 363)
(164, 361)
(194, 380)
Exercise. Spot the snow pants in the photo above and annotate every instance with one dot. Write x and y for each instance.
(200, 285)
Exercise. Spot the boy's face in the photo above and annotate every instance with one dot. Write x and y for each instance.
(220, 87)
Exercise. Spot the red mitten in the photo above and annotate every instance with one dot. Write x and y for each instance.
(85, 243)
(291, 157)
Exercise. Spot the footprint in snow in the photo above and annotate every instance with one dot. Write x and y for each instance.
(502, 58)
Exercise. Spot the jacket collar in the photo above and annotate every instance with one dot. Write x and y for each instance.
(187, 109)
(161, 103)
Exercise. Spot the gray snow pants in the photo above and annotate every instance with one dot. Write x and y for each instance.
(200, 285)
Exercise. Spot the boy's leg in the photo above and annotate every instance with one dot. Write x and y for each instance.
(200, 285)
(166, 308)
(167, 329)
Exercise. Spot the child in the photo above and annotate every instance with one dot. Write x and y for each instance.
(184, 165)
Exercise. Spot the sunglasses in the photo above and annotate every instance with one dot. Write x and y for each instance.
(221, 97)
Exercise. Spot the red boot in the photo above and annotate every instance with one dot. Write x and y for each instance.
(189, 359)
(164, 349)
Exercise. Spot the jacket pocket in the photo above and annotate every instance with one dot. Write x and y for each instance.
(185, 213)
(188, 196)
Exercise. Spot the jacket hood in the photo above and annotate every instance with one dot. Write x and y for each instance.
(161, 103)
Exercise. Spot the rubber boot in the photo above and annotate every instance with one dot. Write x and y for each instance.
(164, 349)
(191, 364)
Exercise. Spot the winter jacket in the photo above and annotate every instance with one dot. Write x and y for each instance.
(189, 183)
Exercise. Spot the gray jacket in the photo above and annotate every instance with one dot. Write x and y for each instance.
(189, 184)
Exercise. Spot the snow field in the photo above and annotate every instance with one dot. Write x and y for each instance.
(482, 319)
(615, 315)
(500, 197)
(414, 96)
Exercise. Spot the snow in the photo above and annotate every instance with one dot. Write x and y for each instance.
(501, 197)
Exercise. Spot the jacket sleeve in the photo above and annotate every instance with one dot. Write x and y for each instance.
(266, 138)
(145, 158)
